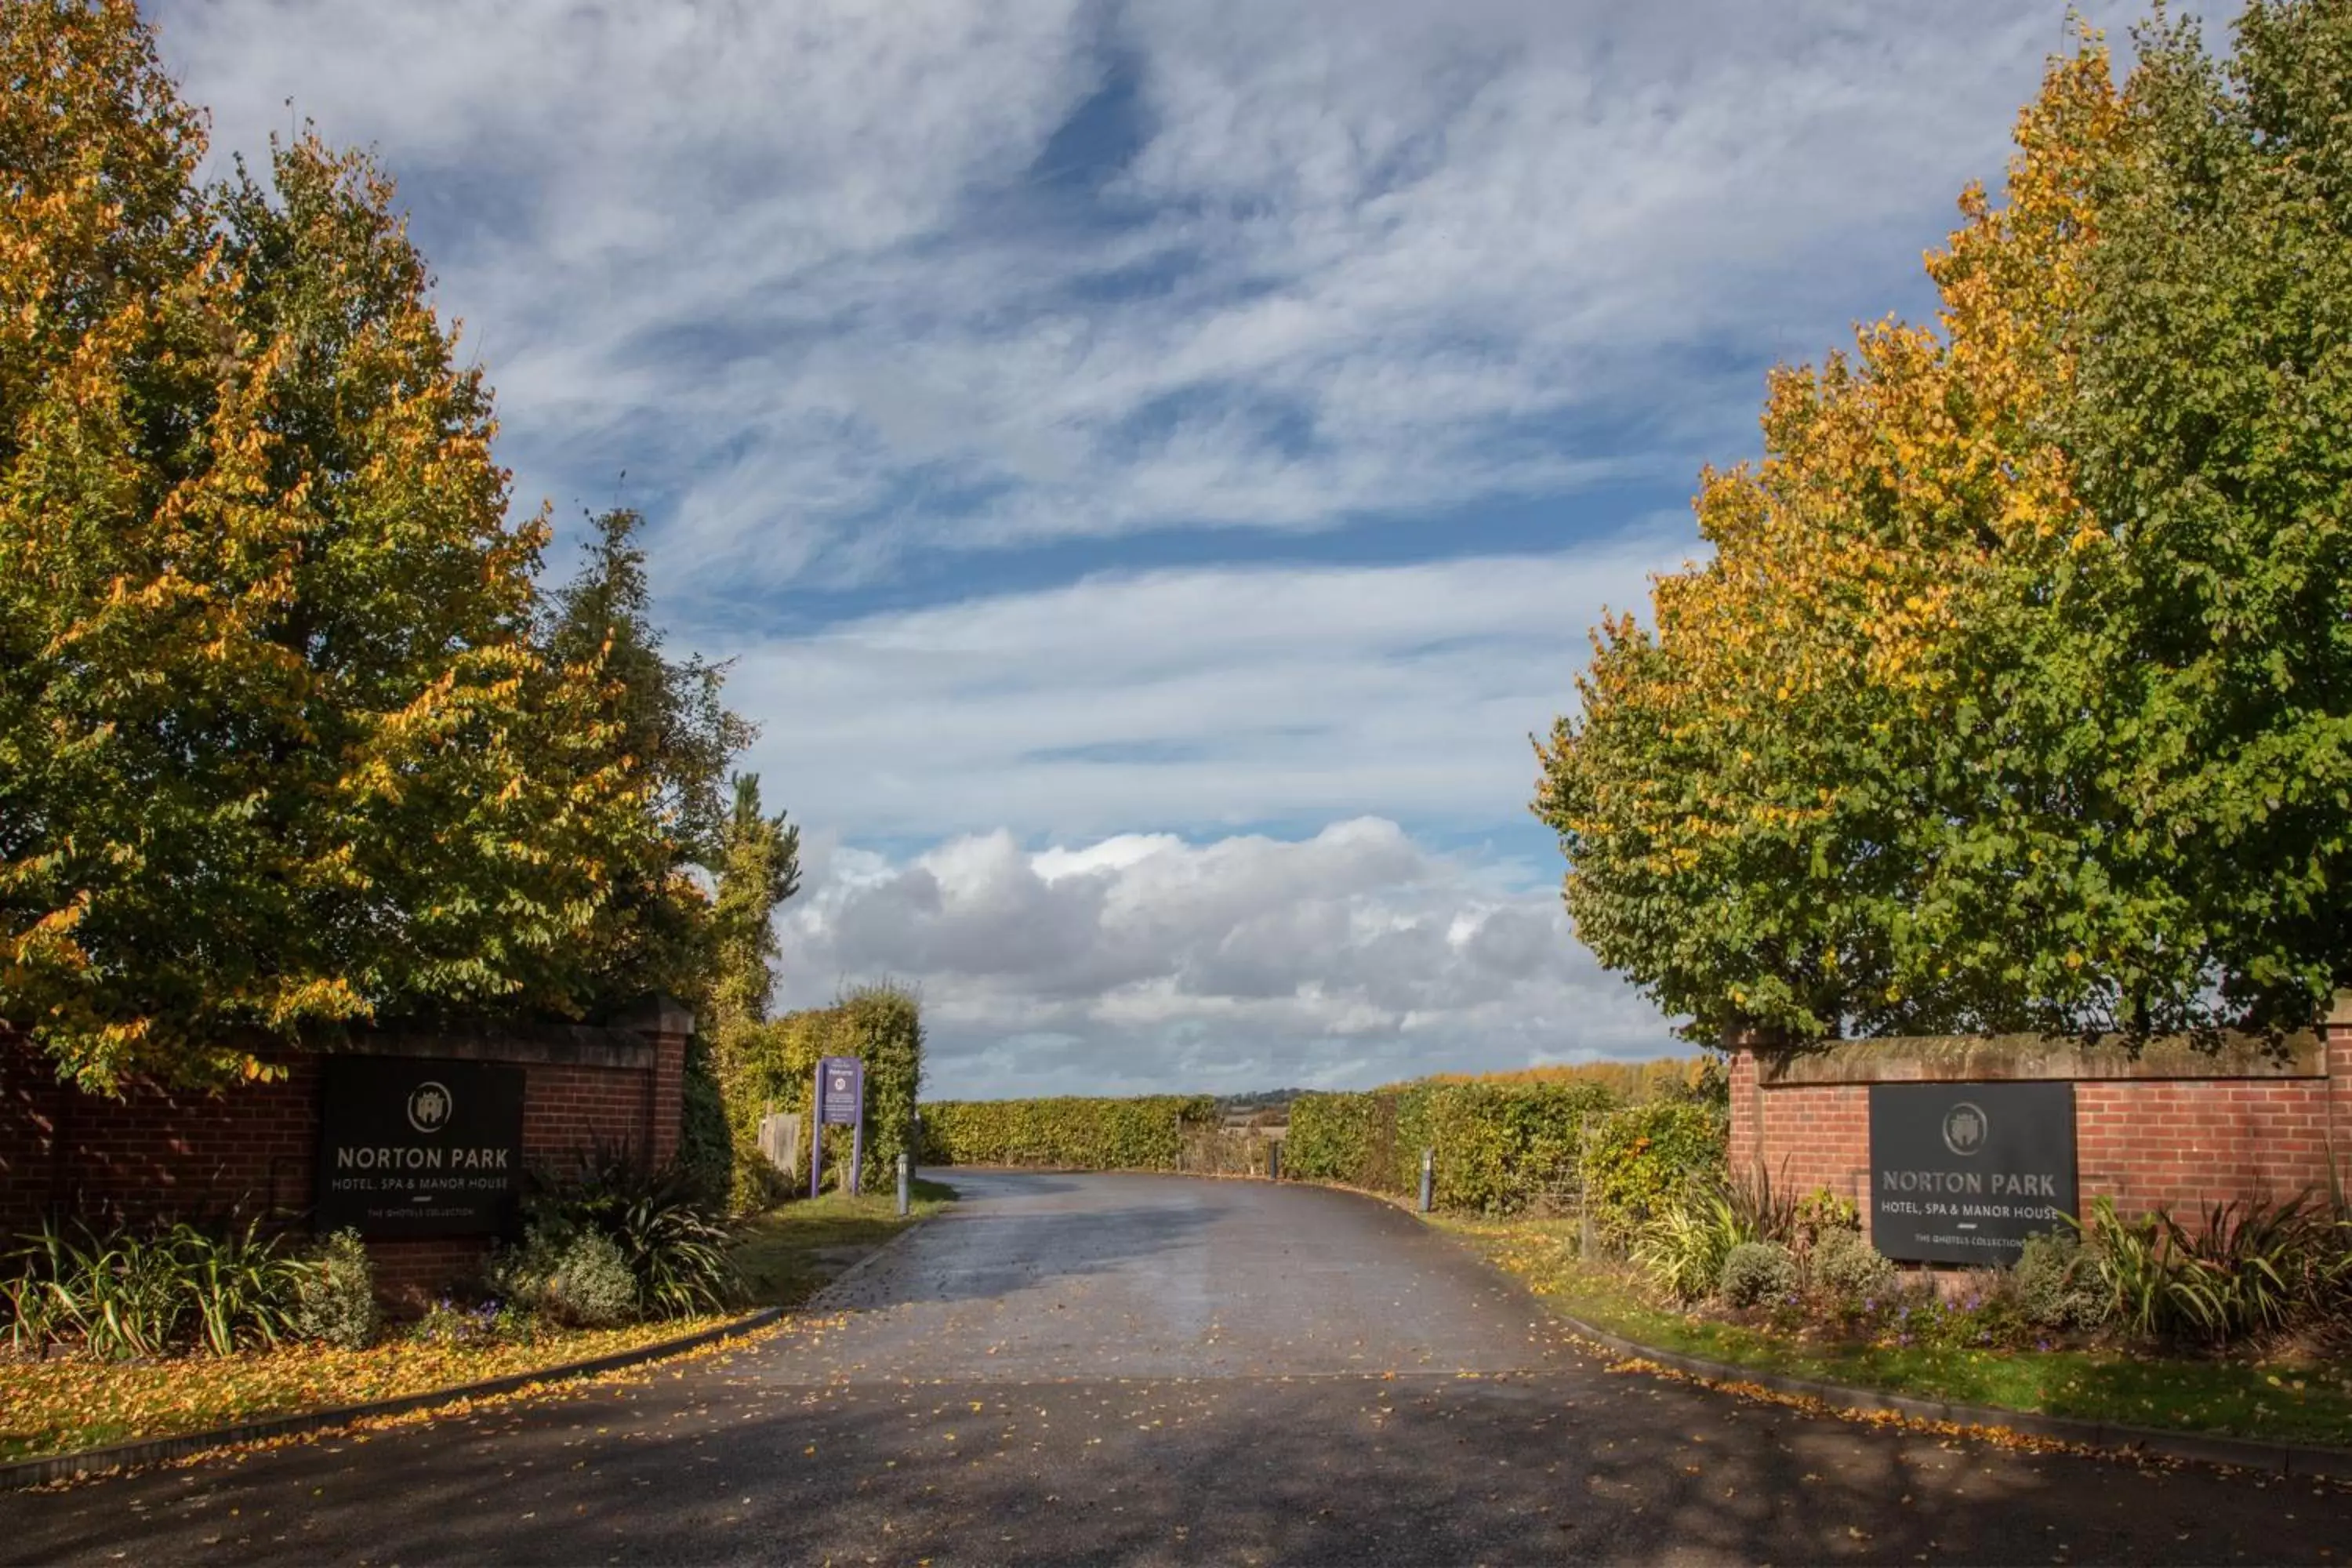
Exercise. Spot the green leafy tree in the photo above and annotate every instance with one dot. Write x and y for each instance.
(758, 869)
(663, 720)
(2213, 433)
(2015, 694)
(280, 746)
(1771, 801)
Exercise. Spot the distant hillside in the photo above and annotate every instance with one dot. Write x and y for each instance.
(1261, 1107)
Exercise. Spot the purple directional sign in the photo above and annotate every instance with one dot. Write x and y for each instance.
(841, 1090)
(840, 1102)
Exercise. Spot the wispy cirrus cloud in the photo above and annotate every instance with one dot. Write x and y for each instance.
(841, 281)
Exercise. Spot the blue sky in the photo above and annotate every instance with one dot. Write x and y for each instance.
(1153, 466)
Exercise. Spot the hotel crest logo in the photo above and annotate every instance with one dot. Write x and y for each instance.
(1964, 1128)
(429, 1105)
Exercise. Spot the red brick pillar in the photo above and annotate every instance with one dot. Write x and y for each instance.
(2337, 1059)
(1747, 1148)
(668, 1024)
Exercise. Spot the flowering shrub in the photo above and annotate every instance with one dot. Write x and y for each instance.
(446, 1325)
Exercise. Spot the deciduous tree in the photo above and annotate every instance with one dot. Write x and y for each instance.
(2016, 691)
(279, 747)
(1761, 799)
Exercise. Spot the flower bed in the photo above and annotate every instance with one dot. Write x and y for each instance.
(1967, 1349)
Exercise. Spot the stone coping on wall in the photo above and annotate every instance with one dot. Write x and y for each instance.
(1955, 1057)
(556, 1045)
(552, 1045)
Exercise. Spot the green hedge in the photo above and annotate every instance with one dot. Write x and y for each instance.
(1142, 1133)
(1501, 1147)
(1644, 1155)
(773, 1065)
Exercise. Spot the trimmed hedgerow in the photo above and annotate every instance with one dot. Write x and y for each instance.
(1346, 1138)
(1645, 1158)
(773, 1065)
(1142, 1133)
(1499, 1147)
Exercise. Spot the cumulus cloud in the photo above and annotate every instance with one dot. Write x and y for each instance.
(1349, 957)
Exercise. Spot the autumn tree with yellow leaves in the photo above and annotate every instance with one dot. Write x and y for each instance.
(283, 744)
(2015, 693)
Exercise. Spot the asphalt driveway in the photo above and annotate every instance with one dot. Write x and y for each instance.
(1160, 1369)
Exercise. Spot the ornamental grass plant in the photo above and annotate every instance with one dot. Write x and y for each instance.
(2246, 1270)
(152, 1292)
(2242, 1275)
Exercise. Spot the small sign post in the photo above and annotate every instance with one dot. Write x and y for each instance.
(840, 1102)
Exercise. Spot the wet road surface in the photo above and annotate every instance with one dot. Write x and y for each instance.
(1161, 1370)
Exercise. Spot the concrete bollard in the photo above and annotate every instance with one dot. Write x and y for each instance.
(1428, 1176)
(902, 1185)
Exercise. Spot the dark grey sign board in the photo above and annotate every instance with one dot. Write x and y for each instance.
(409, 1147)
(1963, 1173)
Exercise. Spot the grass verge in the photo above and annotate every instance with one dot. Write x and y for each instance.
(66, 1403)
(791, 1252)
(2289, 1402)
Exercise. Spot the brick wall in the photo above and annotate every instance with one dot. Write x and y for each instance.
(251, 1150)
(2170, 1125)
(150, 1151)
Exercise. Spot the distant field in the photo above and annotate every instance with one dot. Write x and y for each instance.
(1629, 1081)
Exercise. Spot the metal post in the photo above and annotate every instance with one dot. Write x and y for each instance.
(902, 1185)
(1428, 1176)
(1587, 1246)
(858, 1148)
(1274, 1159)
(816, 1140)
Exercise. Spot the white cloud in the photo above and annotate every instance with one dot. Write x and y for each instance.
(1055, 953)
(1189, 698)
(1351, 957)
(796, 268)
(791, 261)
